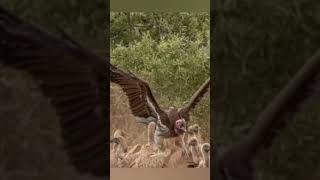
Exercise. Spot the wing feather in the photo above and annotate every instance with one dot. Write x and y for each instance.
(195, 99)
(295, 95)
(141, 100)
(68, 76)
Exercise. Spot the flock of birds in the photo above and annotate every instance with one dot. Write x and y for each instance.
(170, 143)
(171, 153)
(74, 80)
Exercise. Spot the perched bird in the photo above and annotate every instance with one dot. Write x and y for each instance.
(194, 131)
(130, 157)
(121, 134)
(149, 156)
(114, 154)
(179, 160)
(119, 155)
(205, 156)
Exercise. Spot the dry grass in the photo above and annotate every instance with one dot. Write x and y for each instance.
(30, 143)
(121, 118)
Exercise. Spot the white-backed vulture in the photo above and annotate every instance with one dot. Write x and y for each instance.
(205, 156)
(178, 158)
(194, 131)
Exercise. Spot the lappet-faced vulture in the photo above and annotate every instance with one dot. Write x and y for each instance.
(170, 123)
(236, 161)
(74, 79)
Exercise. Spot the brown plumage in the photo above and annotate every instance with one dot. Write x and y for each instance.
(120, 133)
(73, 79)
(205, 156)
(195, 149)
(114, 158)
(143, 105)
(194, 131)
(119, 151)
(120, 157)
(149, 156)
(130, 157)
(235, 162)
(178, 158)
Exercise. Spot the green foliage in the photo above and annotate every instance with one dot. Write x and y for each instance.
(173, 55)
(127, 27)
(259, 46)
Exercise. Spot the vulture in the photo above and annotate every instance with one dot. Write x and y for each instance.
(170, 123)
(75, 81)
(235, 162)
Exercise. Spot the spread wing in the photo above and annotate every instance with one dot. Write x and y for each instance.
(195, 99)
(141, 100)
(297, 93)
(74, 80)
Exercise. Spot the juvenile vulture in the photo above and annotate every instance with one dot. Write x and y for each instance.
(170, 123)
(74, 80)
(236, 161)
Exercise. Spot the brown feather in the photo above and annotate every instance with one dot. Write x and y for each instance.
(137, 92)
(73, 78)
(195, 99)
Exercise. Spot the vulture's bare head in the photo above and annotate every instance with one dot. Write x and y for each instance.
(193, 142)
(143, 105)
(180, 126)
(115, 140)
(205, 148)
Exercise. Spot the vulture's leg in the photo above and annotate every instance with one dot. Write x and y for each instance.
(161, 132)
(158, 143)
(183, 146)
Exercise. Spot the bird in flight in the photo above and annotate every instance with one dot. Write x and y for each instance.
(170, 123)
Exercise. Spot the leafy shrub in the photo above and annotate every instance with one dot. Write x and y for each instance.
(175, 61)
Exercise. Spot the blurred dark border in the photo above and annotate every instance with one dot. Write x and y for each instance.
(87, 22)
(258, 46)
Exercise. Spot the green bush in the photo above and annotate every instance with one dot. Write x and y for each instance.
(175, 61)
